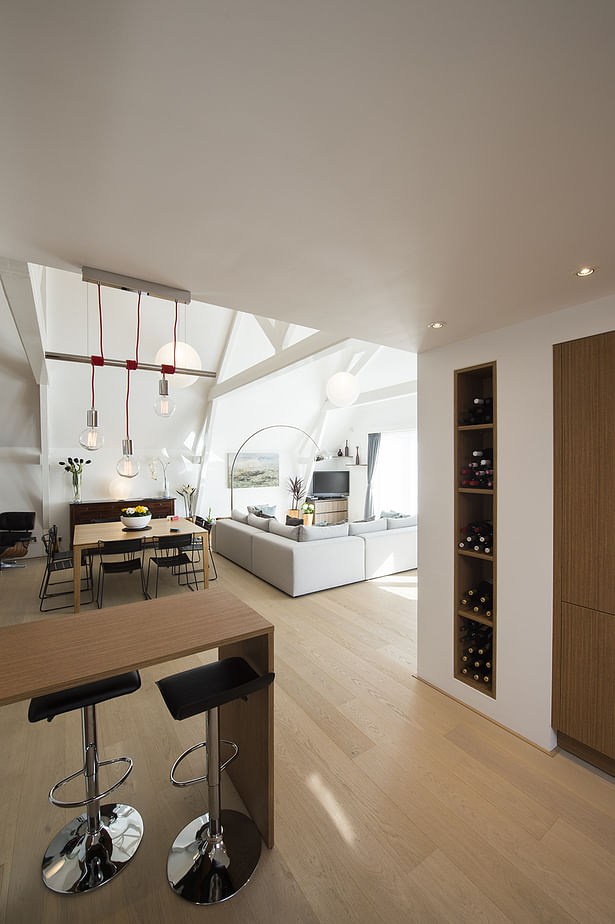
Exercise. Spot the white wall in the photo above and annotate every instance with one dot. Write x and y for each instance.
(524, 517)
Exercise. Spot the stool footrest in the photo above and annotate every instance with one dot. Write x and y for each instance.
(97, 798)
(195, 747)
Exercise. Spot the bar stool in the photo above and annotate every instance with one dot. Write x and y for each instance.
(94, 847)
(216, 853)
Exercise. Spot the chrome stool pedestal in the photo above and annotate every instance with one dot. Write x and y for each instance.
(214, 855)
(95, 846)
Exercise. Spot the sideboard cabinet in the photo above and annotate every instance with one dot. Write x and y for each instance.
(96, 511)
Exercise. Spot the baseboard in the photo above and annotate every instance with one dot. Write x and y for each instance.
(591, 756)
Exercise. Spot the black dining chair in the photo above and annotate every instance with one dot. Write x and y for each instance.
(132, 552)
(170, 552)
(58, 562)
(196, 547)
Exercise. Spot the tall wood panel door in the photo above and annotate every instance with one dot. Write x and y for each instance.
(584, 546)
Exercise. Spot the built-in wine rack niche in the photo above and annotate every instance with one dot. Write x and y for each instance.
(475, 527)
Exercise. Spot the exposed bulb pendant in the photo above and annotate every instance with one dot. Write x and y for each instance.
(127, 466)
(164, 406)
(92, 438)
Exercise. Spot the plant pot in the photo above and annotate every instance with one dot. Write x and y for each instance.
(136, 522)
(294, 513)
(308, 519)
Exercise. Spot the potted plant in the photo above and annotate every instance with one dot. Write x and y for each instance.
(135, 517)
(296, 489)
(308, 514)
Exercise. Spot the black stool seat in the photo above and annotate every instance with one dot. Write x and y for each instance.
(204, 688)
(88, 694)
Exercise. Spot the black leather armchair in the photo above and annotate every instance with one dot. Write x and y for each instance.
(15, 537)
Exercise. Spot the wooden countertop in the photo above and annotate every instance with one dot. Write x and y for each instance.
(63, 651)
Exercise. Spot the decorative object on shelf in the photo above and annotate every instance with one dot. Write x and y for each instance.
(346, 449)
(164, 405)
(343, 389)
(357, 461)
(75, 468)
(296, 489)
(308, 514)
(188, 492)
(92, 437)
(127, 466)
(135, 517)
(261, 430)
(164, 464)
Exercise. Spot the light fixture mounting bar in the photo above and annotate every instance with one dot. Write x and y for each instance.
(121, 364)
(130, 284)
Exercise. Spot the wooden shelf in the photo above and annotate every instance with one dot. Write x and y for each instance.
(467, 613)
(471, 554)
(474, 505)
(476, 427)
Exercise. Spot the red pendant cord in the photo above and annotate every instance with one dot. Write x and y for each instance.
(132, 364)
(175, 339)
(98, 360)
(127, 397)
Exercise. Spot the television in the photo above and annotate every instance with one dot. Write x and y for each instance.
(330, 484)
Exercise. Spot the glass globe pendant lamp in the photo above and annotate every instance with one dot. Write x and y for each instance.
(92, 438)
(343, 389)
(127, 466)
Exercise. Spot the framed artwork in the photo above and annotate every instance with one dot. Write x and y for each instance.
(254, 470)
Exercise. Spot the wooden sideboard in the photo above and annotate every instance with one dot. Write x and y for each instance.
(93, 511)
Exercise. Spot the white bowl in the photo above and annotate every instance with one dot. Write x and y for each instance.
(136, 522)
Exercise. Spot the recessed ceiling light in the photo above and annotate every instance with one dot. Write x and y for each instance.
(436, 325)
(585, 271)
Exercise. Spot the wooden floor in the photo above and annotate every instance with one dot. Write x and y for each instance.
(393, 803)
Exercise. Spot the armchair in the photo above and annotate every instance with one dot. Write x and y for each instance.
(15, 537)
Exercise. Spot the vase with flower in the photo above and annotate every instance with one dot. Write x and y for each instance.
(75, 469)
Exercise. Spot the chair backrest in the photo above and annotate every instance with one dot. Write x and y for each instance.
(200, 522)
(173, 542)
(120, 546)
(17, 521)
(50, 541)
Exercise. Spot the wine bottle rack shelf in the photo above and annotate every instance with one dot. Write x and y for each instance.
(475, 514)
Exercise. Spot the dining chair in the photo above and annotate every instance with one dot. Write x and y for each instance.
(58, 562)
(132, 560)
(170, 552)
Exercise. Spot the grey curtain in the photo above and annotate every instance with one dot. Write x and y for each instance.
(373, 448)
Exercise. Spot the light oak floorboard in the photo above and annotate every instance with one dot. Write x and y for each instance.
(393, 802)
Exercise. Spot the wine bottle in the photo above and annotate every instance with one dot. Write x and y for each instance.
(483, 402)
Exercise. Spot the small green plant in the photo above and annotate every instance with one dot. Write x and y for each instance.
(308, 508)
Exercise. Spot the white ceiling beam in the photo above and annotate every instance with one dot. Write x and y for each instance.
(319, 343)
(403, 390)
(227, 347)
(361, 361)
(17, 288)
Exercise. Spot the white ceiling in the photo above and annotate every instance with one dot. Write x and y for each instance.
(354, 166)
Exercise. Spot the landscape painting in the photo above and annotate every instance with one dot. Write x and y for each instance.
(254, 470)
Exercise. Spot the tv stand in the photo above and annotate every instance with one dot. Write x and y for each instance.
(332, 509)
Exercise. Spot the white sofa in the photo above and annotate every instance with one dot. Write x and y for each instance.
(298, 561)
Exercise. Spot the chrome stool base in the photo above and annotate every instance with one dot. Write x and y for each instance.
(205, 870)
(76, 861)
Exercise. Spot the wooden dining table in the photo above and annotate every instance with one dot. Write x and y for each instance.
(60, 652)
(88, 535)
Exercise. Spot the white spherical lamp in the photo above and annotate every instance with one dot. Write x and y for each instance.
(186, 357)
(343, 389)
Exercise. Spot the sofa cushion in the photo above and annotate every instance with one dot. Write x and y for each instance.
(366, 526)
(401, 522)
(312, 533)
(294, 521)
(389, 514)
(280, 529)
(390, 551)
(239, 515)
(258, 522)
(266, 509)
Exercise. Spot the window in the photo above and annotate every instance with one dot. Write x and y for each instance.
(395, 478)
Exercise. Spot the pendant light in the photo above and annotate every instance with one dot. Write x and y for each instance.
(92, 438)
(127, 466)
(178, 353)
(164, 405)
(343, 389)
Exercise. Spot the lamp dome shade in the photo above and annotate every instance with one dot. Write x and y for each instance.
(343, 389)
(186, 357)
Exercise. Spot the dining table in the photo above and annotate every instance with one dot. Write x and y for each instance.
(88, 535)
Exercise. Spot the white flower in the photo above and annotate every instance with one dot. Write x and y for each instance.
(130, 511)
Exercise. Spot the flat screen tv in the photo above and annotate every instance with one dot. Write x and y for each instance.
(330, 484)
